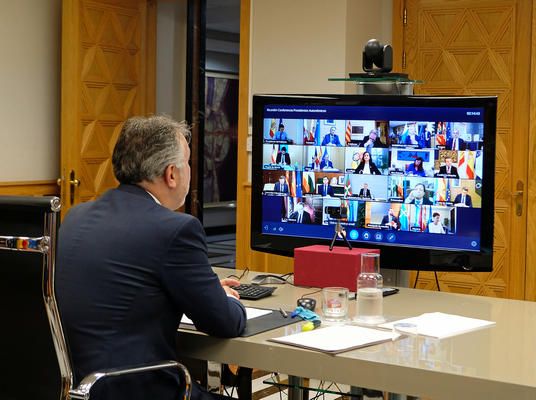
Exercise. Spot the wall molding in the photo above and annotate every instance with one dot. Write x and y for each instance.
(30, 188)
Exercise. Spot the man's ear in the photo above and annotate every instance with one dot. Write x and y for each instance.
(171, 176)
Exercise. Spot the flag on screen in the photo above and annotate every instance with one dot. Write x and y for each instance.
(441, 189)
(317, 158)
(405, 134)
(274, 153)
(326, 154)
(308, 185)
(352, 210)
(447, 190)
(462, 163)
(317, 132)
(478, 164)
(288, 179)
(399, 188)
(347, 187)
(348, 134)
(441, 139)
(470, 169)
(298, 182)
(311, 181)
(403, 217)
(273, 128)
(416, 214)
(292, 179)
(312, 127)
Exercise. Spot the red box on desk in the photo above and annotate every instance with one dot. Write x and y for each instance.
(317, 266)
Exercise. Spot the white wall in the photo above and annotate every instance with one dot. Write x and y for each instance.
(295, 46)
(171, 58)
(30, 74)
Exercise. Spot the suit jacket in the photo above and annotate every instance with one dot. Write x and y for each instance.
(277, 188)
(365, 193)
(286, 158)
(461, 144)
(127, 270)
(377, 142)
(324, 164)
(323, 192)
(453, 171)
(331, 140)
(385, 222)
(468, 200)
(306, 217)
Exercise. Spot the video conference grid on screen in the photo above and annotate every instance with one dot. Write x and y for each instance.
(406, 175)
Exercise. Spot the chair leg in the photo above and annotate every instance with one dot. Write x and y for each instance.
(241, 380)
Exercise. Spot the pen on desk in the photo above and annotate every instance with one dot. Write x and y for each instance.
(283, 313)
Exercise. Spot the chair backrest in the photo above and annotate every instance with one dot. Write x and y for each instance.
(28, 229)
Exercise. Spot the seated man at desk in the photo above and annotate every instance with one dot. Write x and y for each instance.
(129, 267)
(325, 189)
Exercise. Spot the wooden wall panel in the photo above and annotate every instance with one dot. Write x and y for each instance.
(480, 47)
(108, 75)
(29, 188)
(530, 277)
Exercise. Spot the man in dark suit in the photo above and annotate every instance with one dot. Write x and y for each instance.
(418, 196)
(463, 199)
(129, 267)
(300, 216)
(455, 142)
(325, 189)
(283, 157)
(371, 141)
(331, 139)
(448, 170)
(390, 221)
(364, 192)
(281, 186)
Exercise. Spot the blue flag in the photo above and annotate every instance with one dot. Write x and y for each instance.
(317, 133)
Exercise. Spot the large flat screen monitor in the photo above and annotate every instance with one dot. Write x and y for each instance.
(411, 175)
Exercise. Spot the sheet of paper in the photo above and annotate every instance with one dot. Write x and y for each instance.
(441, 325)
(336, 339)
(250, 314)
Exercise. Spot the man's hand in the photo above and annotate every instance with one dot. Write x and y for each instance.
(226, 283)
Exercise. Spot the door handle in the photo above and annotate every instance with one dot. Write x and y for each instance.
(518, 198)
(73, 183)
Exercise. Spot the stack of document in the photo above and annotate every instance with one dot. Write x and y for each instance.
(440, 325)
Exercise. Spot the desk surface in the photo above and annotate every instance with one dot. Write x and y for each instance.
(493, 363)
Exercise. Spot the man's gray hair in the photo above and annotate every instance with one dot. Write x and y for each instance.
(146, 146)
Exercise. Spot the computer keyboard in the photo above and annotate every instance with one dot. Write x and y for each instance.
(253, 292)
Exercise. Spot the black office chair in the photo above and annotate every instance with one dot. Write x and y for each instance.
(32, 223)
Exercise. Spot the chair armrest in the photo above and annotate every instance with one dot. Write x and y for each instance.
(82, 392)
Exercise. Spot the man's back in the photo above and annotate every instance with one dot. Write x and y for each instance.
(128, 269)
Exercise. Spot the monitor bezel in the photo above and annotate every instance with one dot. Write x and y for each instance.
(395, 257)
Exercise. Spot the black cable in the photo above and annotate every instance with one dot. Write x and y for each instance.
(437, 281)
(416, 279)
(244, 272)
(310, 293)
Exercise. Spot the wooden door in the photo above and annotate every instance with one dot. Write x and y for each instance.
(479, 47)
(108, 75)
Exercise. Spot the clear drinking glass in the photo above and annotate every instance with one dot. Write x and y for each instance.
(335, 303)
